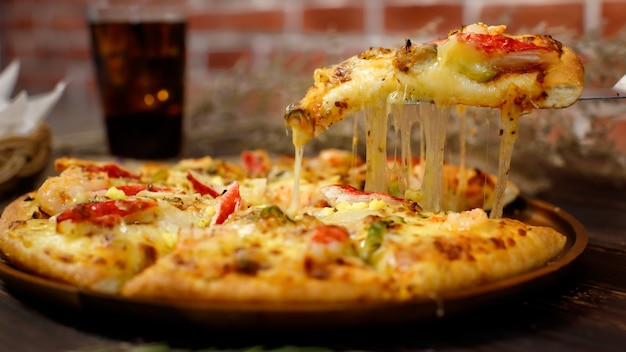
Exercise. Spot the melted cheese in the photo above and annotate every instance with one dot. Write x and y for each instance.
(376, 149)
(509, 116)
(463, 173)
(435, 123)
(297, 172)
(404, 117)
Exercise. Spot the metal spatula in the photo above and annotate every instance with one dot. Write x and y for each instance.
(617, 92)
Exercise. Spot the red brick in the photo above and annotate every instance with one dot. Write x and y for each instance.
(15, 46)
(67, 22)
(21, 23)
(35, 80)
(613, 17)
(65, 53)
(270, 21)
(409, 18)
(526, 17)
(228, 59)
(337, 19)
(14, 14)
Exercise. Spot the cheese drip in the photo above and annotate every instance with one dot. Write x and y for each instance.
(435, 123)
(297, 173)
(376, 149)
(404, 117)
(355, 148)
(509, 117)
(461, 113)
(432, 119)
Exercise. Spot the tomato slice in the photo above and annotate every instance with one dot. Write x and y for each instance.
(227, 204)
(201, 187)
(105, 213)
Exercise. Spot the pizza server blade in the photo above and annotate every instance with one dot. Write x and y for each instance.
(617, 92)
(601, 94)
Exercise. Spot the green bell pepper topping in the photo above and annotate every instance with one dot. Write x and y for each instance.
(374, 239)
(375, 235)
(160, 175)
(274, 211)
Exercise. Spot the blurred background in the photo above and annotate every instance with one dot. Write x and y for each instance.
(248, 59)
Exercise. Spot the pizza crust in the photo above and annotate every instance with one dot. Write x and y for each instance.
(346, 286)
(473, 258)
(564, 83)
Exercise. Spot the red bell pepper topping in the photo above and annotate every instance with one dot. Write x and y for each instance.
(112, 170)
(255, 162)
(105, 213)
(227, 204)
(326, 234)
(201, 187)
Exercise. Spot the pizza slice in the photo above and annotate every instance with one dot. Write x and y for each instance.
(262, 255)
(428, 253)
(478, 65)
(96, 245)
(98, 224)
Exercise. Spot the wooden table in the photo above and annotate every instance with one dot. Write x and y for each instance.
(583, 311)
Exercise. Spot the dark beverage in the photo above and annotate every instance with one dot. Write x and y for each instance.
(140, 68)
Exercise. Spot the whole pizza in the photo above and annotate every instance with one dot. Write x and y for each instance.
(266, 228)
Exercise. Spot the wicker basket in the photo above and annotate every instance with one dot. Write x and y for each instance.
(22, 157)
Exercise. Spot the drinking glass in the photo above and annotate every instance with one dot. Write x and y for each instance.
(139, 54)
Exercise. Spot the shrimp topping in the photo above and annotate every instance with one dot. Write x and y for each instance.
(73, 186)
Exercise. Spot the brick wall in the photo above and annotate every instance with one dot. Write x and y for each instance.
(51, 40)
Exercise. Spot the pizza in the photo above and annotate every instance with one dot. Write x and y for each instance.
(477, 65)
(221, 230)
(330, 227)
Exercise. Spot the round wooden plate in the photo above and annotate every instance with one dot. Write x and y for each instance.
(237, 315)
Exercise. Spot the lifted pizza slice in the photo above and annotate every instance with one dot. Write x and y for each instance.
(478, 65)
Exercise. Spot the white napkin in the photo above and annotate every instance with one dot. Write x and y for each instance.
(22, 114)
(620, 86)
(8, 77)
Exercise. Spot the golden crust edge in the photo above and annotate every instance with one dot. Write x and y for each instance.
(565, 82)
